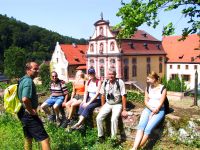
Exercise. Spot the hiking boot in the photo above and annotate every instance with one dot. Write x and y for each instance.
(64, 123)
(101, 139)
(52, 118)
(71, 122)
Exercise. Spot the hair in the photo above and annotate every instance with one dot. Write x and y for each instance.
(54, 72)
(113, 70)
(28, 65)
(81, 74)
(154, 75)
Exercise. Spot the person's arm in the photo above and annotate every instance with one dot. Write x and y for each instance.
(73, 90)
(85, 93)
(123, 95)
(97, 93)
(162, 99)
(27, 103)
(146, 99)
(124, 112)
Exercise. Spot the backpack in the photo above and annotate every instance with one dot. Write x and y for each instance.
(97, 80)
(117, 82)
(12, 103)
(166, 101)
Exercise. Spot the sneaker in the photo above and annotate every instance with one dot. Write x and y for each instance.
(52, 118)
(64, 123)
(71, 122)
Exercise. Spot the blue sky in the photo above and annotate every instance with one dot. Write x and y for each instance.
(76, 18)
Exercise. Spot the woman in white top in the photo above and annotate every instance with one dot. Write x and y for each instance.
(154, 111)
(91, 98)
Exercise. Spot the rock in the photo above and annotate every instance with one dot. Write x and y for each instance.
(173, 117)
(191, 125)
(183, 135)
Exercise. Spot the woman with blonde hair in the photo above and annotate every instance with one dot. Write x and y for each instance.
(154, 111)
(76, 96)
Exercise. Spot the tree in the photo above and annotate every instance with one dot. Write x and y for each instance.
(137, 12)
(14, 62)
(44, 75)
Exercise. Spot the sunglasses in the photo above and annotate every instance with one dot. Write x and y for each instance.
(54, 76)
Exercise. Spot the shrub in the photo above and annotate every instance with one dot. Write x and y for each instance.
(176, 84)
(135, 96)
(45, 75)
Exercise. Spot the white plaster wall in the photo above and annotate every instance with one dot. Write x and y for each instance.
(182, 71)
(61, 67)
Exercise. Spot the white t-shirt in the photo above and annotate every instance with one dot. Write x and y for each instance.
(92, 89)
(155, 96)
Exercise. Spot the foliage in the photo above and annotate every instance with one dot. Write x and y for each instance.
(44, 75)
(14, 62)
(12, 137)
(3, 85)
(69, 87)
(135, 96)
(38, 42)
(136, 12)
(176, 85)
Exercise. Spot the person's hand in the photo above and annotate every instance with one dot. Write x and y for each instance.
(64, 104)
(33, 112)
(151, 115)
(155, 110)
(124, 114)
(86, 104)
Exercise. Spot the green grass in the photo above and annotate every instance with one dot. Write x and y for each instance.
(12, 137)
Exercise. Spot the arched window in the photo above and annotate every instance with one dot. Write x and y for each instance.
(101, 61)
(101, 31)
(112, 46)
(91, 48)
(134, 67)
(101, 48)
(102, 72)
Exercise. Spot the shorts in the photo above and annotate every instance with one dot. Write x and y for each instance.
(32, 126)
(78, 97)
(58, 100)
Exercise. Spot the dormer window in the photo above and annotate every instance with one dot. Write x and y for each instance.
(76, 59)
(131, 45)
(82, 52)
(158, 46)
(145, 45)
(144, 35)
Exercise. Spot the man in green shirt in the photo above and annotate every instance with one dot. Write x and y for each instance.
(32, 125)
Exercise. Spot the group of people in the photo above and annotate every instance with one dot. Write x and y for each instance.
(109, 95)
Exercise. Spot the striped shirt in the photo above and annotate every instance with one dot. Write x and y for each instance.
(58, 88)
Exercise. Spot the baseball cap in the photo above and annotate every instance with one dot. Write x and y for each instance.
(91, 71)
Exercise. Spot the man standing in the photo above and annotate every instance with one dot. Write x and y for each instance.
(59, 93)
(32, 125)
(114, 93)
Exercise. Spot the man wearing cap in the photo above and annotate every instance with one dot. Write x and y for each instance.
(113, 100)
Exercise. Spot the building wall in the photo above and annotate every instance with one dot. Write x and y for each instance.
(173, 69)
(141, 65)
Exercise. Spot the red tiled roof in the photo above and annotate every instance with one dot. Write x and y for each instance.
(143, 35)
(81, 68)
(75, 55)
(153, 48)
(187, 51)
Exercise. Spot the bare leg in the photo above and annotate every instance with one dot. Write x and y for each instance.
(80, 122)
(45, 108)
(138, 138)
(73, 106)
(144, 139)
(56, 109)
(28, 144)
(45, 144)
